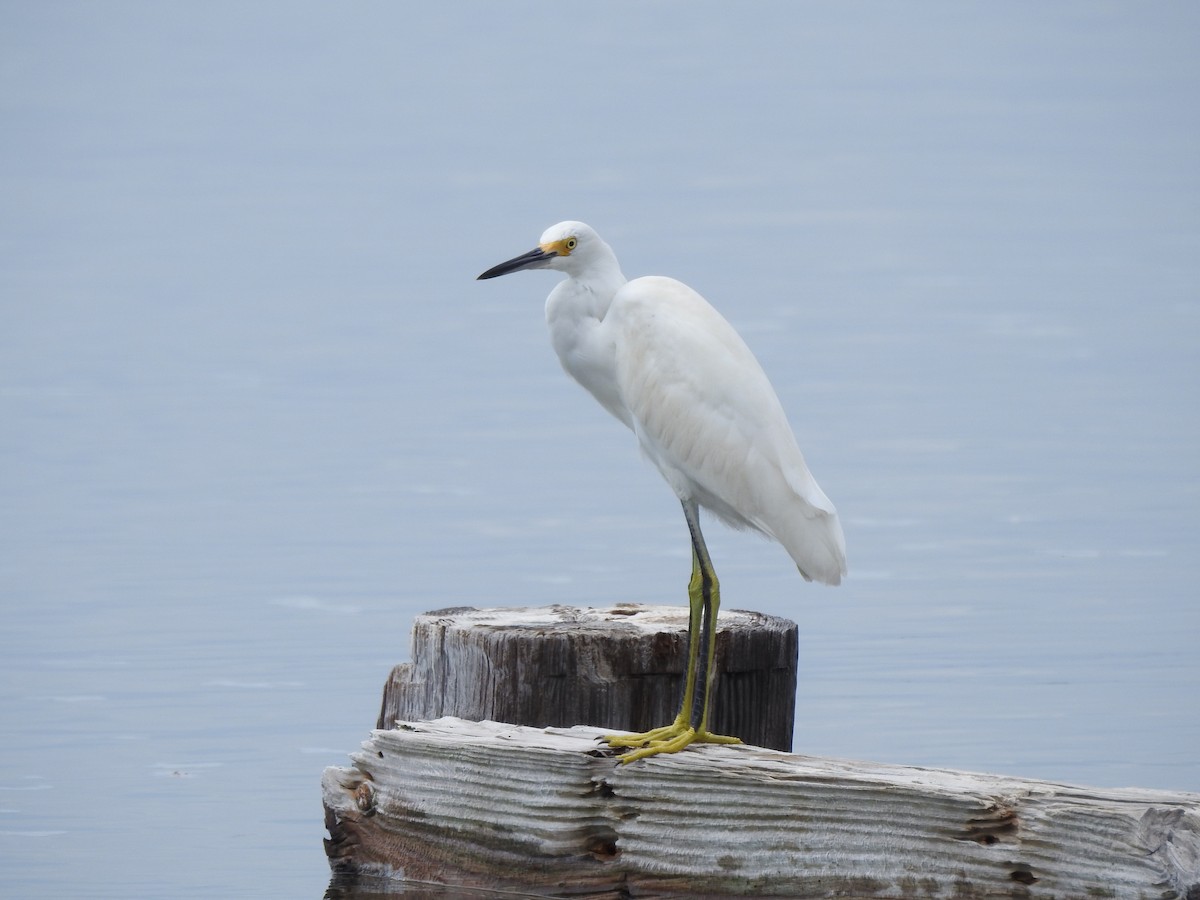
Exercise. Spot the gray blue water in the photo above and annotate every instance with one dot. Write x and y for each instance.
(255, 413)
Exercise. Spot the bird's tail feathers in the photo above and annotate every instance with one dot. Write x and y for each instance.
(815, 542)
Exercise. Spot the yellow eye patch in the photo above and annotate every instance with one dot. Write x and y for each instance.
(562, 247)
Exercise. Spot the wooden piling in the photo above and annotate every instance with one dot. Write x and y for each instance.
(618, 667)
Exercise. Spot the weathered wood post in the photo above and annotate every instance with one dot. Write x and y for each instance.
(548, 812)
(619, 667)
(545, 813)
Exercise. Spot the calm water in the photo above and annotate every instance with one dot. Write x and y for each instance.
(256, 413)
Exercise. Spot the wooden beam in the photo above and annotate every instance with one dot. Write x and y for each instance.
(548, 812)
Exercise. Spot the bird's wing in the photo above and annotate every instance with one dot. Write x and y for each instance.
(708, 418)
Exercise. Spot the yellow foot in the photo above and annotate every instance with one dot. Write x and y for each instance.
(668, 739)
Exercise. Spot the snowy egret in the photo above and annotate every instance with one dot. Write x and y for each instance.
(657, 356)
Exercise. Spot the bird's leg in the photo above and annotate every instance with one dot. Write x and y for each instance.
(691, 725)
(695, 615)
(680, 725)
(706, 637)
(709, 596)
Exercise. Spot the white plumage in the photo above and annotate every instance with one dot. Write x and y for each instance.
(661, 359)
(657, 356)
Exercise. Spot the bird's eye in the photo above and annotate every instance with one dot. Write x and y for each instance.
(570, 243)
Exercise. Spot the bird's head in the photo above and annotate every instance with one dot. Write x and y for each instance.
(566, 247)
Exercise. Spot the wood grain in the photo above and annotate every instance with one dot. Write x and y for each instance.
(547, 812)
(618, 667)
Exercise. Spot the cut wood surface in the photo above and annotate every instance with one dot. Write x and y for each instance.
(547, 812)
(619, 667)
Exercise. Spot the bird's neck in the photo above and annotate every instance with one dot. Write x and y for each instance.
(588, 295)
(575, 312)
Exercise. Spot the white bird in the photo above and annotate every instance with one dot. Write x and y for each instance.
(657, 356)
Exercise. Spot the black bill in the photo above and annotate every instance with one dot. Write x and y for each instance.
(531, 260)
